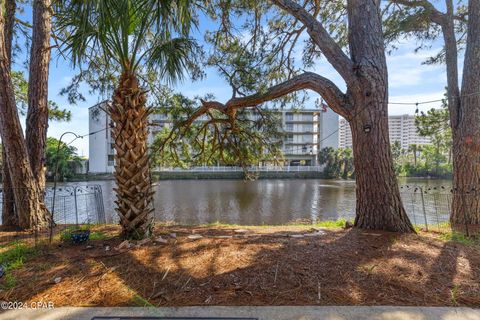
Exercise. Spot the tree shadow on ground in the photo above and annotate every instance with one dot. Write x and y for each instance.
(337, 268)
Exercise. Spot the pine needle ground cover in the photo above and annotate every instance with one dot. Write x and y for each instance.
(222, 265)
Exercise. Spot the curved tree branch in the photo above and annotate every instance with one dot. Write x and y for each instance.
(334, 97)
(435, 15)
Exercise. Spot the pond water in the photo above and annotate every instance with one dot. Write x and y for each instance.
(255, 202)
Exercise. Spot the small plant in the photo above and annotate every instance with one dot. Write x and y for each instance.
(454, 294)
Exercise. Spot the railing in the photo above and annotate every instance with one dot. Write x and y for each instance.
(73, 204)
(240, 169)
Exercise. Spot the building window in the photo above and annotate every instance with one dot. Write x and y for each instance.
(111, 161)
(307, 128)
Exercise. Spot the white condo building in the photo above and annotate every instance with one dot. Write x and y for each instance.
(306, 132)
(401, 128)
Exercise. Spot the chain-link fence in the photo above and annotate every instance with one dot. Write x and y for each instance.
(68, 205)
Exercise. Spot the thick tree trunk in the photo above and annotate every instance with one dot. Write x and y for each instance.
(132, 171)
(9, 217)
(28, 198)
(466, 143)
(37, 115)
(379, 205)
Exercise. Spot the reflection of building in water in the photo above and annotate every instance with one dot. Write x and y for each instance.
(306, 132)
(401, 128)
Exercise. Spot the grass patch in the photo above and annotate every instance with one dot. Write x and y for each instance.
(334, 224)
(460, 238)
(329, 224)
(13, 256)
(437, 227)
(98, 235)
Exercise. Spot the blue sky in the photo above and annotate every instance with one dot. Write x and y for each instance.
(409, 81)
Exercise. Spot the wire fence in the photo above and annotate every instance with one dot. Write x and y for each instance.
(72, 206)
(430, 208)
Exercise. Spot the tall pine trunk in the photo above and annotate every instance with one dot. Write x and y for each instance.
(132, 171)
(379, 205)
(466, 135)
(28, 198)
(37, 114)
(9, 217)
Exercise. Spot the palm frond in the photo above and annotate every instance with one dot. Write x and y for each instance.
(129, 33)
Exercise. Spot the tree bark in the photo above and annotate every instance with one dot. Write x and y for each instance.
(9, 217)
(466, 141)
(28, 198)
(132, 170)
(37, 114)
(379, 205)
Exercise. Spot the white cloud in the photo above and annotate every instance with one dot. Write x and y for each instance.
(406, 70)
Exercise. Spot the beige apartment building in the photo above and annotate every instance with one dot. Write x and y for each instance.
(401, 128)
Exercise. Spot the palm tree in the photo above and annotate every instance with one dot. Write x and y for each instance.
(132, 37)
(414, 148)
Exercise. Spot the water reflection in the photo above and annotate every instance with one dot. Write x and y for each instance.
(251, 202)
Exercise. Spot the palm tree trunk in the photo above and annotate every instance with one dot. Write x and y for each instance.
(132, 171)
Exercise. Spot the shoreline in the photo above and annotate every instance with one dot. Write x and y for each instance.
(158, 176)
